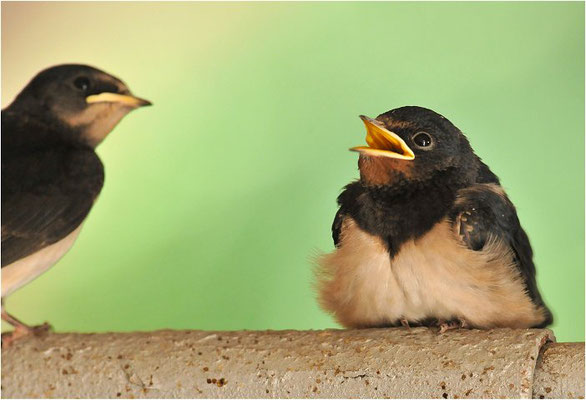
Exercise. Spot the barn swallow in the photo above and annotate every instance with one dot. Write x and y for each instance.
(51, 175)
(427, 236)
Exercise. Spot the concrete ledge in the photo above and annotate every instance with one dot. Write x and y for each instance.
(373, 363)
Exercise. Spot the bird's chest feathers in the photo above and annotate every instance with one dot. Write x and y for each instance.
(434, 276)
(397, 219)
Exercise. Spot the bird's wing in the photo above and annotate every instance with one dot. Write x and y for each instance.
(483, 212)
(348, 202)
(337, 226)
(45, 196)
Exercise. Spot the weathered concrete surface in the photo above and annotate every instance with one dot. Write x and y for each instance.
(397, 363)
(559, 372)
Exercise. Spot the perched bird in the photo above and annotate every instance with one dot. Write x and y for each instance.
(427, 235)
(51, 175)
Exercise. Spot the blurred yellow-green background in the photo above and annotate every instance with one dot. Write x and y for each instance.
(217, 197)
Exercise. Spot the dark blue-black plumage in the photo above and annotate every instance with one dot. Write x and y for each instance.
(399, 201)
(51, 175)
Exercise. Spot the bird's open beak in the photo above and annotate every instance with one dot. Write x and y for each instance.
(125, 99)
(382, 142)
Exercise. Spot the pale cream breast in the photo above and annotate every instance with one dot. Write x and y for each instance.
(22, 271)
(436, 276)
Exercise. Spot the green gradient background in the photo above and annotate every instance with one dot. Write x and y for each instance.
(217, 197)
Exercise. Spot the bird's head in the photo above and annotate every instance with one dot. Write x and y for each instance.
(411, 143)
(88, 100)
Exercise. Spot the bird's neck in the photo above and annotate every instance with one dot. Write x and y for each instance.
(405, 192)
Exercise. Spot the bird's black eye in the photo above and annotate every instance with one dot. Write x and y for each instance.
(422, 139)
(82, 83)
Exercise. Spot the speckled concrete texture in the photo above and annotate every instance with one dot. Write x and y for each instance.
(368, 363)
(559, 373)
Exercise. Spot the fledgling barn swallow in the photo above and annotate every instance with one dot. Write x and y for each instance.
(427, 235)
(51, 175)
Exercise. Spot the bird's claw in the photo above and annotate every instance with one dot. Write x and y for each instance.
(445, 326)
(23, 330)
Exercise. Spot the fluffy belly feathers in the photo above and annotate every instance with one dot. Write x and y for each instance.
(22, 271)
(433, 277)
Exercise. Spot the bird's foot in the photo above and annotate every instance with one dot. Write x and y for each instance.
(23, 330)
(452, 324)
(404, 323)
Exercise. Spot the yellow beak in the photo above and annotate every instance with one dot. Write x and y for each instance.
(382, 142)
(126, 99)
